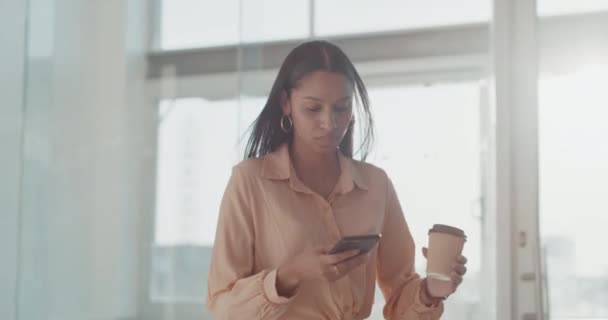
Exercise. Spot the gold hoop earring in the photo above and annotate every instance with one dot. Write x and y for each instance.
(286, 130)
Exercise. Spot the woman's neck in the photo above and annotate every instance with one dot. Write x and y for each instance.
(305, 161)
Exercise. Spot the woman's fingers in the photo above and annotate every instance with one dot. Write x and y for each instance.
(462, 260)
(456, 279)
(460, 269)
(346, 266)
(425, 252)
(338, 257)
(331, 272)
(337, 271)
(323, 249)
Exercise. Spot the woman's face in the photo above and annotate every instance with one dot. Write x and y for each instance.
(321, 109)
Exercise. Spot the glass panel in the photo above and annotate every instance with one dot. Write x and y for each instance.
(208, 23)
(428, 142)
(194, 164)
(573, 188)
(360, 16)
(564, 7)
(187, 175)
(271, 20)
(13, 35)
(85, 186)
(198, 23)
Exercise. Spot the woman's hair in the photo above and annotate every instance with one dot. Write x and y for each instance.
(266, 134)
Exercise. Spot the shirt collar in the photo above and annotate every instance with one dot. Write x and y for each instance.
(277, 165)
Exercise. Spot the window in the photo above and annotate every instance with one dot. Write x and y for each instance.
(428, 141)
(564, 7)
(573, 185)
(271, 20)
(198, 23)
(360, 16)
(198, 143)
(207, 23)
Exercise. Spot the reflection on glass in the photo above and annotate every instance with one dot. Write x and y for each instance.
(573, 154)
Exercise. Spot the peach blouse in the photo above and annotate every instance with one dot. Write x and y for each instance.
(267, 215)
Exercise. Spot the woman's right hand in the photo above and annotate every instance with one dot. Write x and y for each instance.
(316, 265)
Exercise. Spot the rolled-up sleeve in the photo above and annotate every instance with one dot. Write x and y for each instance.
(234, 291)
(397, 279)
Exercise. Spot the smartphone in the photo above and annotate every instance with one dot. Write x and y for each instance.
(363, 243)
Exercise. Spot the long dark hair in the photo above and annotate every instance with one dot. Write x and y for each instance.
(266, 134)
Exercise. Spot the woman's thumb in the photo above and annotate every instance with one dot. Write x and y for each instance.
(425, 252)
(325, 249)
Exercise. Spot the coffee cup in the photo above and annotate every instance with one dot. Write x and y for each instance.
(445, 246)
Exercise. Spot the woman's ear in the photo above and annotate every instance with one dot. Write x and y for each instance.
(285, 103)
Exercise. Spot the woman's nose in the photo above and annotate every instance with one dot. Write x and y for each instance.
(328, 121)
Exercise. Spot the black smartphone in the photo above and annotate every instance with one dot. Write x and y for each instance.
(363, 243)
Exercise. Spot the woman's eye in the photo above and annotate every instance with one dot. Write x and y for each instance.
(343, 108)
(313, 109)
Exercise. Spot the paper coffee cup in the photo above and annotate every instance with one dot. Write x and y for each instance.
(445, 246)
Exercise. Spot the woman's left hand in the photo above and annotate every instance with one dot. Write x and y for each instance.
(459, 269)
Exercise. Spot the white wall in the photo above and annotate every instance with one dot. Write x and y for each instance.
(88, 160)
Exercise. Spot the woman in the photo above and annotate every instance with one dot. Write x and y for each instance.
(298, 192)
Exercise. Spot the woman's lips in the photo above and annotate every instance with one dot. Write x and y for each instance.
(328, 139)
